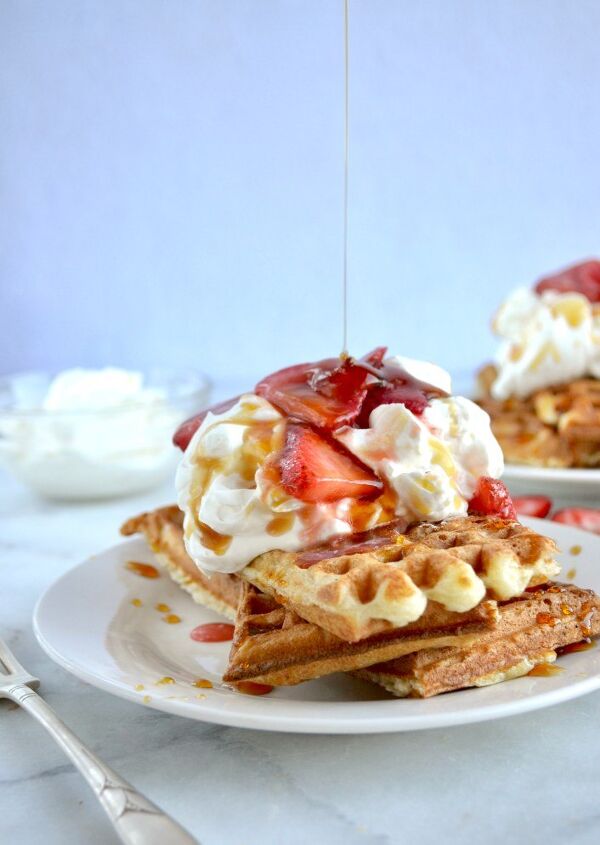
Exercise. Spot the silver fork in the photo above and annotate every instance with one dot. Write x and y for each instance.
(136, 820)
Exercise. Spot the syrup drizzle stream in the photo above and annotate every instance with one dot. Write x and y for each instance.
(346, 146)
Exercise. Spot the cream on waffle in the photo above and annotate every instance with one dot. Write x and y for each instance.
(530, 629)
(386, 578)
(163, 530)
(273, 645)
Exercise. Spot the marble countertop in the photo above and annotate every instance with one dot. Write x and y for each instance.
(532, 778)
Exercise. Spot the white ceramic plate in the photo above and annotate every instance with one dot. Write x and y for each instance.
(87, 623)
(566, 486)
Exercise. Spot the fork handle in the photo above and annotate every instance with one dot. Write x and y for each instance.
(136, 820)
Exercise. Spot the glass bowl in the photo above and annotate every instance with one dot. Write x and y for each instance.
(101, 452)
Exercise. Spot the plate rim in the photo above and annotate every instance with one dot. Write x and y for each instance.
(253, 716)
(550, 474)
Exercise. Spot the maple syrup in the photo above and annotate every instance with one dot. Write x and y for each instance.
(280, 524)
(172, 619)
(366, 541)
(346, 163)
(582, 645)
(545, 670)
(546, 619)
(202, 683)
(145, 570)
(162, 608)
(252, 688)
(213, 632)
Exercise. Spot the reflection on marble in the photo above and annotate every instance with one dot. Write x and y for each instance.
(532, 778)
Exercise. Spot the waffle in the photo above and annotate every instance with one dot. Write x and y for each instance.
(273, 645)
(554, 427)
(386, 578)
(529, 631)
(163, 530)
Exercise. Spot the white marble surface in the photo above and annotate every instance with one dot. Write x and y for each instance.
(532, 778)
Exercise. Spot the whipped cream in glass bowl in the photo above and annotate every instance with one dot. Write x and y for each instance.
(95, 433)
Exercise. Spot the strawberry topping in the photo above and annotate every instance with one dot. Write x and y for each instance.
(491, 498)
(314, 469)
(187, 429)
(533, 506)
(586, 518)
(375, 358)
(327, 394)
(336, 392)
(581, 278)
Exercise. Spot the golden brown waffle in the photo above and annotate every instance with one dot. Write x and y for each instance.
(385, 579)
(529, 631)
(555, 427)
(273, 645)
(163, 530)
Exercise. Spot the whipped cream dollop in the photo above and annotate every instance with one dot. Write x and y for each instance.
(547, 339)
(88, 433)
(234, 509)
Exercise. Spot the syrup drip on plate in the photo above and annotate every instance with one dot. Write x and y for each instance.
(145, 570)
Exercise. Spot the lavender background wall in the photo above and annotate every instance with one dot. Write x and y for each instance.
(171, 175)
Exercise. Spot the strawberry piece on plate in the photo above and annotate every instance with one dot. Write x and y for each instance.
(586, 518)
(314, 470)
(187, 429)
(581, 278)
(533, 506)
(327, 394)
(491, 498)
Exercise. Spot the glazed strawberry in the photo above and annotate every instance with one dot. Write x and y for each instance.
(315, 470)
(327, 394)
(414, 398)
(581, 278)
(586, 518)
(375, 358)
(491, 498)
(187, 429)
(533, 506)
(393, 385)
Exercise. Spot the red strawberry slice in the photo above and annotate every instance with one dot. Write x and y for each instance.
(586, 518)
(533, 506)
(327, 394)
(491, 498)
(187, 429)
(375, 358)
(413, 397)
(315, 470)
(581, 278)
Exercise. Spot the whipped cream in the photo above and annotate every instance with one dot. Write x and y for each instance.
(233, 511)
(88, 433)
(548, 338)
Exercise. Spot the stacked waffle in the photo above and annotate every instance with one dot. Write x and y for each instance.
(419, 611)
(556, 426)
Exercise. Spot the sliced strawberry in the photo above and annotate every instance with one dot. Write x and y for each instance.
(327, 394)
(413, 397)
(581, 278)
(375, 358)
(187, 429)
(315, 470)
(533, 506)
(491, 498)
(586, 518)
(393, 385)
